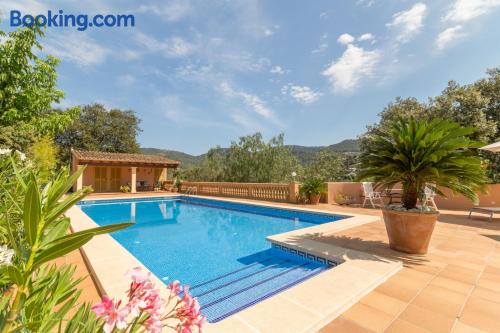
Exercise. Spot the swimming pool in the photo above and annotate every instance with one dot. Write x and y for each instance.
(217, 247)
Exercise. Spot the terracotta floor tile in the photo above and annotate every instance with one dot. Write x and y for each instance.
(343, 325)
(416, 274)
(427, 319)
(401, 288)
(382, 302)
(489, 284)
(487, 294)
(400, 326)
(467, 264)
(491, 270)
(464, 328)
(368, 317)
(482, 314)
(459, 273)
(452, 284)
(440, 300)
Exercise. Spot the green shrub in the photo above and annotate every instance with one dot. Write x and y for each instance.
(312, 186)
(36, 230)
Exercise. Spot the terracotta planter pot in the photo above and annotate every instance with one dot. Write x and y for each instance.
(314, 199)
(409, 232)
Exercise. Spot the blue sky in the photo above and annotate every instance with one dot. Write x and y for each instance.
(203, 73)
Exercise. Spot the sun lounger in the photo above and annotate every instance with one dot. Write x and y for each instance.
(485, 210)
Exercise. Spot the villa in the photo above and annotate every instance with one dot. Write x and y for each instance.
(107, 172)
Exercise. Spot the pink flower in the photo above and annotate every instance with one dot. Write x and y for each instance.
(103, 308)
(137, 275)
(189, 313)
(117, 317)
(153, 325)
(175, 287)
(144, 299)
(114, 315)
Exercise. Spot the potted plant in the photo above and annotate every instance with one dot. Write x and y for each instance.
(344, 199)
(312, 189)
(125, 189)
(419, 153)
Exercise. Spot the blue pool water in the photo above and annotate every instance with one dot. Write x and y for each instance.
(218, 248)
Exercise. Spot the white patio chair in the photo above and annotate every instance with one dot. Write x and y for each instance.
(429, 196)
(371, 195)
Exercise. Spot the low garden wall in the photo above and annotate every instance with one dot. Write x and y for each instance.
(283, 192)
(452, 201)
(289, 192)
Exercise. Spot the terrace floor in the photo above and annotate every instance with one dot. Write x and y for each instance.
(454, 288)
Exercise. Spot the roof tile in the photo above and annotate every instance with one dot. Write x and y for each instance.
(100, 156)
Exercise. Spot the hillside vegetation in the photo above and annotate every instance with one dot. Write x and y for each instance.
(304, 154)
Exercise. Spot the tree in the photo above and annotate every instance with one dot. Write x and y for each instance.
(475, 105)
(43, 153)
(327, 166)
(253, 160)
(28, 90)
(417, 153)
(248, 160)
(99, 129)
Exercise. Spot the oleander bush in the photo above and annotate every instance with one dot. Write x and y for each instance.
(37, 295)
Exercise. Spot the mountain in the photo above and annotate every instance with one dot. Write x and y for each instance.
(305, 154)
(185, 159)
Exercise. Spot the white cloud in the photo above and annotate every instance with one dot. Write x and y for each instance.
(345, 39)
(466, 10)
(355, 64)
(178, 47)
(131, 54)
(246, 121)
(449, 36)
(302, 94)
(367, 36)
(177, 110)
(408, 22)
(324, 15)
(171, 47)
(198, 73)
(171, 11)
(75, 47)
(269, 31)
(172, 107)
(323, 44)
(277, 70)
(24, 6)
(253, 101)
(365, 3)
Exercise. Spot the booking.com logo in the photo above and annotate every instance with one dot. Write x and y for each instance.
(81, 21)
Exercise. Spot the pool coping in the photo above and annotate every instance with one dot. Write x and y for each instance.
(305, 307)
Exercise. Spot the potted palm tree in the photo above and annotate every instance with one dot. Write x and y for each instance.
(419, 153)
(312, 189)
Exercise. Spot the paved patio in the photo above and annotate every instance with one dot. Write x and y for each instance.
(455, 288)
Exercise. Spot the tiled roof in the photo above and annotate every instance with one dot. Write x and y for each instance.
(100, 156)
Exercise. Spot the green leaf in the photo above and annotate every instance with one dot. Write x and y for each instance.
(92, 232)
(61, 186)
(63, 206)
(32, 211)
(58, 230)
(13, 274)
(62, 248)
